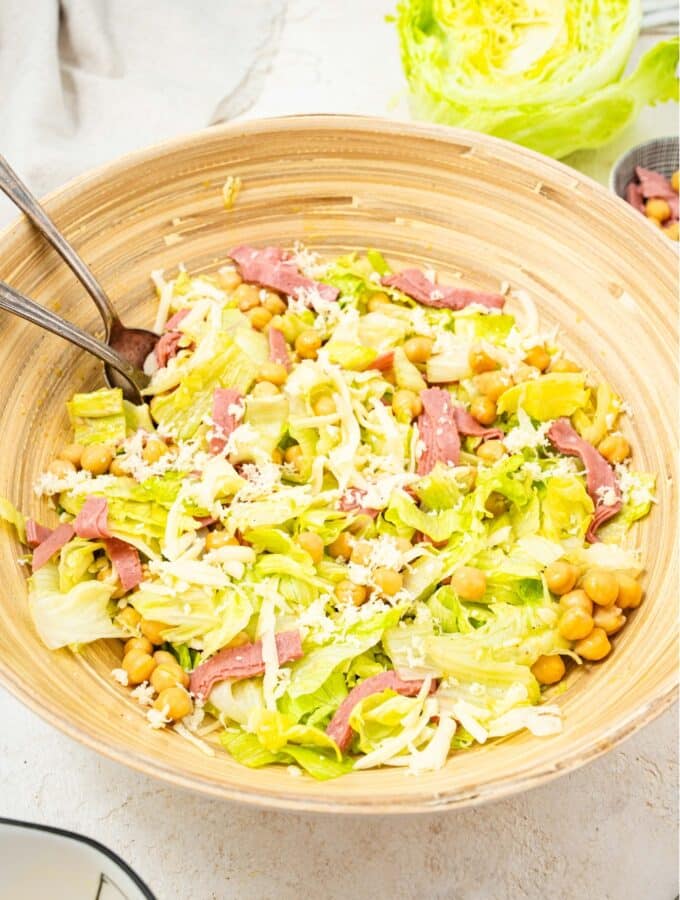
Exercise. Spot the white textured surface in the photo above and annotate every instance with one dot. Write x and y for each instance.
(606, 831)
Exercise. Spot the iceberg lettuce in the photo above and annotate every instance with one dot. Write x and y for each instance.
(548, 75)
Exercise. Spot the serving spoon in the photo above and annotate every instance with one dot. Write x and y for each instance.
(125, 349)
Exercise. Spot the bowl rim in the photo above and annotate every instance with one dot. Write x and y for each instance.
(496, 788)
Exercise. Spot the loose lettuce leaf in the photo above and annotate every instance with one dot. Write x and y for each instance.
(77, 616)
(318, 707)
(379, 717)
(182, 411)
(437, 524)
(247, 749)
(566, 508)
(75, 558)
(98, 417)
(547, 397)
(459, 656)
(275, 730)
(314, 669)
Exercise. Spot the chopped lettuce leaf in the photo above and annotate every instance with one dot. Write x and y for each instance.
(77, 616)
(548, 396)
(98, 417)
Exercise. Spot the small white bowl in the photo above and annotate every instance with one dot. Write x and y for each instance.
(39, 861)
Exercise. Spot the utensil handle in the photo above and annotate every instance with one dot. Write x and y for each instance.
(18, 193)
(13, 301)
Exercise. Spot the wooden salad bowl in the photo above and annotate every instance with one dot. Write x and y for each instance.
(462, 203)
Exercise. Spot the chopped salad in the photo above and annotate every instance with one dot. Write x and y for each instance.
(366, 518)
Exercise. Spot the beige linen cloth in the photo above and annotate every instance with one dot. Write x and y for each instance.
(82, 81)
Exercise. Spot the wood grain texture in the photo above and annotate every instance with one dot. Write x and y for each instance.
(467, 205)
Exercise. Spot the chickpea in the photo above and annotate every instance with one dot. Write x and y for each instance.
(116, 467)
(129, 617)
(138, 665)
(265, 389)
(293, 454)
(630, 592)
(61, 468)
(275, 373)
(609, 618)
(548, 669)
(388, 581)
(375, 301)
(165, 658)
(538, 357)
(361, 552)
(324, 406)
(166, 676)
(274, 303)
(138, 643)
(228, 279)
(247, 297)
(490, 451)
(72, 453)
(496, 504)
(658, 209)
(615, 448)
(175, 702)
(593, 647)
(492, 384)
(577, 600)
(483, 409)
(219, 538)
(480, 361)
(307, 344)
(96, 458)
(560, 577)
(153, 630)
(675, 181)
(469, 583)
(564, 365)
(153, 450)
(311, 543)
(418, 349)
(348, 592)
(601, 586)
(259, 317)
(406, 405)
(671, 231)
(341, 546)
(575, 624)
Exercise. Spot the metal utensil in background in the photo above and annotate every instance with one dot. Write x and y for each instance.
(132, 344)
(659, 16)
